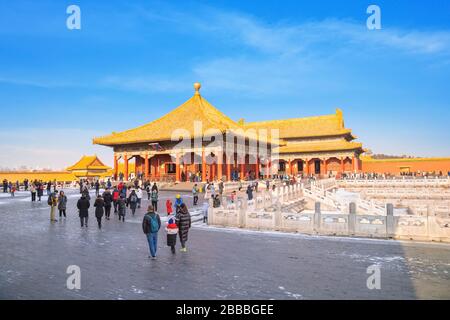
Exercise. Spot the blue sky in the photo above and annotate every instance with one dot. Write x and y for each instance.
(133, 61)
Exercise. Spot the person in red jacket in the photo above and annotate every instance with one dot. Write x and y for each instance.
(169, 207)
(115, 196)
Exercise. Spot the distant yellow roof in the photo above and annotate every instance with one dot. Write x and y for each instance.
(89, 163)
(317, 146)
(326, 125)
(195, 109)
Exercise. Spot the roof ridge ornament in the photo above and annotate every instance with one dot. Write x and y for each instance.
(197, 87)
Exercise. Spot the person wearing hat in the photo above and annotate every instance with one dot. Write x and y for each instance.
(178, 203)
(183, 220)
(172, 231)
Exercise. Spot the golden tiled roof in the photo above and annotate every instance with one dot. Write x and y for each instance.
(60, 176)
(89, 163)
(318, 126)
(195, 109)
(318, 146)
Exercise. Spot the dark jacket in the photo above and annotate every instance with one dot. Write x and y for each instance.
(183, 219)
(108, 198)
(122, 206)
(146, 222)
(99, 207)
(62, 203)
(249, 192)
(83, 205)
(133, 204)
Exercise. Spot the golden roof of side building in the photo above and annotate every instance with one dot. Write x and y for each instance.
(89, 163)
(317, 126)
(183, 117)
(318, 146)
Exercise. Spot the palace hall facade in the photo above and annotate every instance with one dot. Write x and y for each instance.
(216, 147)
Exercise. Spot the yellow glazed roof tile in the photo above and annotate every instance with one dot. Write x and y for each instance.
(318, 146)
(88, 162)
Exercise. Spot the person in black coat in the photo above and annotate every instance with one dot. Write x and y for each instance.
(99, 210)
(83, 205)
(183, 220)
(108, 198)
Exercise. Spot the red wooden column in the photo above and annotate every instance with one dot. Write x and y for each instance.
(203, 166)
(325, 166)
(146, 167)
(219, 166)
(125, 167)
(306, 166)
(257, 168)
(353, 163)
(116, 166)
(290, 167)
(243, 170)
(177, 168)
(342, 165)
(267, 169)
(157, 168)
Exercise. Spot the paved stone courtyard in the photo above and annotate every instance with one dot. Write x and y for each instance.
(219, 264)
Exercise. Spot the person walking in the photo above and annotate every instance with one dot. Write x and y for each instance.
(132, 201)
(99, 205)
(205, 211)
(53, 203)
(83, 205)
(183, 219)
(178, 203)
(221, 187)
(13, 191)
(40, 191)
(249, 192)
(151, 225)
(149, 192)
(172, 231)
(33, 192)
(195, 194)
(115, 197)
(49, 188)
(62, 204)
(97, 188)
(154, 198)
(169, 207)
(122, 206)
(139, 196)
(108, 198)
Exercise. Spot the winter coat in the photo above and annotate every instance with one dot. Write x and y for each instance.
(108, 198)
(250, 193)
(62, 203)
(133, 204)
(116, 195)
(154, 195)
(83, 205)
(122, 206)
(99, 207)
(169, 207)
(184, 223)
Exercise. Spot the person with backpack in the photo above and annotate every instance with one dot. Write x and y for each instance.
(183, 219)
(53, 203)
(83, 205)
(40, 191)
(195, 194)
(122, 206)
(155, 199)
(172, 231)
(62, 204)
(99, 210)
(108, 198)
(151, 225)
(132, 201)
(139, 196)
(115, 197)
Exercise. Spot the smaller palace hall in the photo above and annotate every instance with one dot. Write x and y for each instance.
(318, 145)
